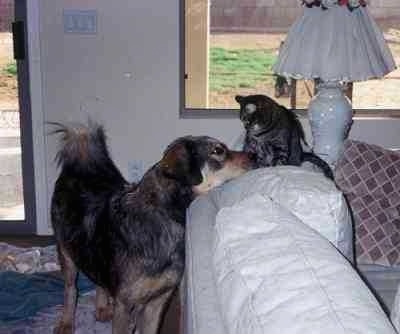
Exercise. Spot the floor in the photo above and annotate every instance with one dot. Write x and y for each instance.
(171, 322)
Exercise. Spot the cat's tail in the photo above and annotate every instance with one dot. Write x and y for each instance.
(316, 160)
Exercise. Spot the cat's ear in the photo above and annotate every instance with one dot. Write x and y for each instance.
(239, 98)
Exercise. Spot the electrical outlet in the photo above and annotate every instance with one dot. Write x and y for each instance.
(80, 21)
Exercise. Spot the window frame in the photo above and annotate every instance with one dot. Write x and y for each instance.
(215, 113)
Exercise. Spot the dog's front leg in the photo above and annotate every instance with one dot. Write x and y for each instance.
(104, 306)
(70, 272)
(124, 317)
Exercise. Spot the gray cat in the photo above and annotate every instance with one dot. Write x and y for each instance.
(274, 134)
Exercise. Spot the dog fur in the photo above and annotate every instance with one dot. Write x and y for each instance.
(129, 238)
(274, 134)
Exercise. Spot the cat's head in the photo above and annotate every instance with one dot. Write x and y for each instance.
(258, 112)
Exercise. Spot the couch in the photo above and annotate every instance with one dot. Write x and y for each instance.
(271, 252)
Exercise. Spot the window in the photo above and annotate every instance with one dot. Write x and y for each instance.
(230, 47)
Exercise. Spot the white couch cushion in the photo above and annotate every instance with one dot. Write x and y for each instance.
(274, 274)
(308, 195)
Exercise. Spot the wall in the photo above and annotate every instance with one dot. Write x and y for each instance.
(253, 15)
(268, 15)
(6, 14)
(127, 76)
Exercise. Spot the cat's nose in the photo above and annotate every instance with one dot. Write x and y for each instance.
(246, 122)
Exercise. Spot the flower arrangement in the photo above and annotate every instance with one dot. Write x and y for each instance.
(325, 4)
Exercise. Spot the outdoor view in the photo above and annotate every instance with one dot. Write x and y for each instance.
(11, 195)
(235, 44)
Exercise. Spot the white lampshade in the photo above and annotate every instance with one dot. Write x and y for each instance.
(335, 44)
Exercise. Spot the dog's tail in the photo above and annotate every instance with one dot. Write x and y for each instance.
(316, 160)
(84, 153)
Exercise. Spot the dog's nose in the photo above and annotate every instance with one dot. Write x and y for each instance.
(252, 160)
(252, 156)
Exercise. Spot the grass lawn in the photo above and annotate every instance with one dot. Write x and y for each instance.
(11, 69)
(239, 68)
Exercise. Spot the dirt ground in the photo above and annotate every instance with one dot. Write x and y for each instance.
(382, 93)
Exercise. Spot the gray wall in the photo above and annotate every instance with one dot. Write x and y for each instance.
(126, 76)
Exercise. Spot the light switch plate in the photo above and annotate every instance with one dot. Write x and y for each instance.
(80, 21)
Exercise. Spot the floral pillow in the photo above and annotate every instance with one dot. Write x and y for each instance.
(369, 176)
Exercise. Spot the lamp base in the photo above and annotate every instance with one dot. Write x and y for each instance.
(331, 116)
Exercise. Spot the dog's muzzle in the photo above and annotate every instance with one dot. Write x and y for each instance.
(243, 160)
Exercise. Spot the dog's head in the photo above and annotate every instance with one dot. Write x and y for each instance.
(258, 112)
(203, 163)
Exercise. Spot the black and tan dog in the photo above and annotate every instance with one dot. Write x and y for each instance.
(128, 238)
(274, 134)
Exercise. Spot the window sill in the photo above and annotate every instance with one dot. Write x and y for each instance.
(301, 113)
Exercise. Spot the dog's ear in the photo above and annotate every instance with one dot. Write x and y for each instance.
(239, 98)
(179, 163)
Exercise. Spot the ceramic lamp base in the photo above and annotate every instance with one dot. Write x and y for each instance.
(331, 117)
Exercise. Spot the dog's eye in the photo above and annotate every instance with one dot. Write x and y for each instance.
(250, 108)
(218, 150)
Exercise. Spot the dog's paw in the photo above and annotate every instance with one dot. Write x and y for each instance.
(104, 313)
(63, 328)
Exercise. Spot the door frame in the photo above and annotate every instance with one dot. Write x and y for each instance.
(42, 214)
(31, 125)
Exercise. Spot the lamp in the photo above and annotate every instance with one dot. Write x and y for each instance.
(336, 42)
